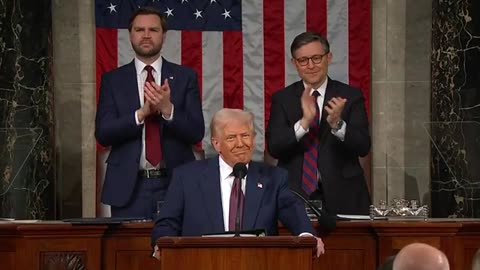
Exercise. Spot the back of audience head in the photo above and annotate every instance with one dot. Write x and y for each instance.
(419, 256)
(476, 261)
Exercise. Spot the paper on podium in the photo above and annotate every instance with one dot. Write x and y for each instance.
(357, 217)
(248, 233)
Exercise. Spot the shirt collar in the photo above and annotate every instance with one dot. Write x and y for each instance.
(225, 169)
(140, 66)
(321, 90)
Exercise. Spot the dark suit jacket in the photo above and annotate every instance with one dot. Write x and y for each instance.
(115, 126)
(342, 180)
(193, 205)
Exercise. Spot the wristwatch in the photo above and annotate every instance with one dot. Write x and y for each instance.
(338, 125)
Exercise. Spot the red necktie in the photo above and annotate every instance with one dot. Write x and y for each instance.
(153, 149)
(234, 198)
(309, 176)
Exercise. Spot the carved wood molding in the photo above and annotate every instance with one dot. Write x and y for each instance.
(63, 261)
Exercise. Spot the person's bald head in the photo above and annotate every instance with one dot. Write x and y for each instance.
(476, 261)
(420, 256)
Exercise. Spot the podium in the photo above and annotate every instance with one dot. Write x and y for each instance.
(241, 253)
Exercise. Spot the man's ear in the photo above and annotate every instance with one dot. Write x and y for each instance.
(215, 144)
(292, 60)
(329, 57)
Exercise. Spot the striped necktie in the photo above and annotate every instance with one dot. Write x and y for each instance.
(309, 175)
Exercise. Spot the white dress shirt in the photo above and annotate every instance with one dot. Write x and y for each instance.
(226, 183)
(141, 78)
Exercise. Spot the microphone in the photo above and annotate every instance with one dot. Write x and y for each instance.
(239, 172)
(327, 223)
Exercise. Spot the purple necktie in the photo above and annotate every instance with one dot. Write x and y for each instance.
(309, 175)
(234, 198)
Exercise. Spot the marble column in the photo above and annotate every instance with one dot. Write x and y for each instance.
(75, 105)
(27, 186)
(455, 125)
(401, 49)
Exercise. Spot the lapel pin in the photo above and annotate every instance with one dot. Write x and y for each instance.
(171, 77)
(259, 185)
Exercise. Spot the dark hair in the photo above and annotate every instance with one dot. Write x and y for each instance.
(308, 37)
(148, 11)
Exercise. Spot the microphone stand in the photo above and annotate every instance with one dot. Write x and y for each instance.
(314, 209)
(327, 223)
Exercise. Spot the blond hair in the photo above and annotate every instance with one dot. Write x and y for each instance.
(221, 118)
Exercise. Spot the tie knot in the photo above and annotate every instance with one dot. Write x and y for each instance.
(316, 94)
(148, 68)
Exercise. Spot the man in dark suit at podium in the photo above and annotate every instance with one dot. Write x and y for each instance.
(199, 199)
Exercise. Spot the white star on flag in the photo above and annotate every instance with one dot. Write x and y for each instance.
(198, 14)
(169, 12)
(226, 14)
(213, 1)
(112, 8)
(184, 1)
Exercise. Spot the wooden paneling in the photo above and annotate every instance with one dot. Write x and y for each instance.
(353, 245)
(241, 253)
(7, 260)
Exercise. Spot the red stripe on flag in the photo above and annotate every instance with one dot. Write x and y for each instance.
(232, 70)
(191, 56)
(359, 44)
(274, 51)
(192, 53)
(317, 16)
(106, 59)
(106, 48)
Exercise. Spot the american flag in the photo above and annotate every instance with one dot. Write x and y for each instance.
(241, 49)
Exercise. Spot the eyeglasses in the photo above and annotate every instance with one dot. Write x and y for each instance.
(316, 59)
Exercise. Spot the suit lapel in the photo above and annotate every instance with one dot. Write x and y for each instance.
(129, 89)
(211, 193)
(253, 195)
(330, 92)
(293, 107)
(169, 73)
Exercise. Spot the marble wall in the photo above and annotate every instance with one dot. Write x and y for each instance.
(27, 157)
(456, 108)
(401, 49)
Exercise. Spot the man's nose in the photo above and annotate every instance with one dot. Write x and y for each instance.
(310, 63)
(240, 142)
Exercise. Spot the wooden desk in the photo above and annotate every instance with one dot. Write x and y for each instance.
(354, 245)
